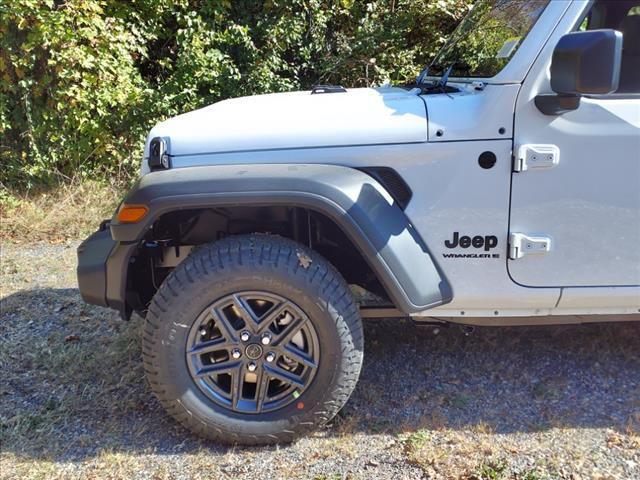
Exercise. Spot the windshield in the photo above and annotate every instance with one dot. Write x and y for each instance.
(487, 38)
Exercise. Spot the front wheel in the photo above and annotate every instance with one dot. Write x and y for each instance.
(253, 339)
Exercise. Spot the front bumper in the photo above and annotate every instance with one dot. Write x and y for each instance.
(102, 270)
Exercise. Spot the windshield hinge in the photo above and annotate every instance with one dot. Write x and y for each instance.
(536, 157)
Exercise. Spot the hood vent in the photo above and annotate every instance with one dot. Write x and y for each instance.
(392, 182)
(327, 89)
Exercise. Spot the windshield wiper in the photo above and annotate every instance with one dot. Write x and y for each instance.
(439, 84)
(442, 83)
(423, 74)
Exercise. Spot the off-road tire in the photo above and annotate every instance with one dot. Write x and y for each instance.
(253, 262)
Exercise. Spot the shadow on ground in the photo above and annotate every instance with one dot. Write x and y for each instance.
(72, 382)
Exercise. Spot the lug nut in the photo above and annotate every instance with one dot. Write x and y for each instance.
(235, 353)
(244, 336)
(270, 357)
(203, 332)
(252, 367)
(266, 339)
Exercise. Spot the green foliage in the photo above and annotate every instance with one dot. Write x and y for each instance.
(489, 36)
(492, 470)
(82, 81)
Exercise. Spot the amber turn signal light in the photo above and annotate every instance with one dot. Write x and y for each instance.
(131, 213)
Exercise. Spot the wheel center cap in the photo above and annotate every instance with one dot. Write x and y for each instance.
(253, 351)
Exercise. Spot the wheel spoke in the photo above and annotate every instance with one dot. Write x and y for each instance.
(271, 316)
(245, 312)
(289, 331)
(262, 386)
(237, 385)
(299, 356)
(223, 324)
(282, 374)
(215, 368)
(209, 346)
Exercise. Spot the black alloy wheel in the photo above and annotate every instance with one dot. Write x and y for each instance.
(253, 339)
(253, 352)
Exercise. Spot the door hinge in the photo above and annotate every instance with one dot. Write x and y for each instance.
(521, 245)
(534, 157)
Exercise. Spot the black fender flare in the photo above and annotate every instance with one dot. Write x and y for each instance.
(355, 201)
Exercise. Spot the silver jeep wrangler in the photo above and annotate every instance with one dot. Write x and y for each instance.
(501, 187)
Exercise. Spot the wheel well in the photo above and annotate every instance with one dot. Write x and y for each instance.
(174, 234)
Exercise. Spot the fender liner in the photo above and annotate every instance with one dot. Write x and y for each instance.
(354, 200)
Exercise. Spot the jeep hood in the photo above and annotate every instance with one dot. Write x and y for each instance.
(362, 116)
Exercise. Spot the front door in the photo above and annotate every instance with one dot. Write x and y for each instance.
(575, 203)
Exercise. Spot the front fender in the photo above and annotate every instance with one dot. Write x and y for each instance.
(355, 201)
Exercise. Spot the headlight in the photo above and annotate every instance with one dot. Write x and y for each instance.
(158, 155)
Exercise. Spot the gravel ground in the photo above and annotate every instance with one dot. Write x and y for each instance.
(529, 403)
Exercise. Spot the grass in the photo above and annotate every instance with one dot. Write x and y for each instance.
(68, 211)
(68, 370)
(492, 470)
(458, 454)
(468, 455)
(74, 402)
(90, 378)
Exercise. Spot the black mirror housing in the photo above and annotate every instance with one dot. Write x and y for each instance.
(587, 63)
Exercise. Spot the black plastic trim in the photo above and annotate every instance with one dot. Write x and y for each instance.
(117, 270)
(91, 271)
(587, 62)
(392, 182)
(379, 229)
(317, 89)
(102, 270)
(552, 104)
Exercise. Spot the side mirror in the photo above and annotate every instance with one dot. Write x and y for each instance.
(583, 63)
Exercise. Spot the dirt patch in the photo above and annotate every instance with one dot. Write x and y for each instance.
(528, 403)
